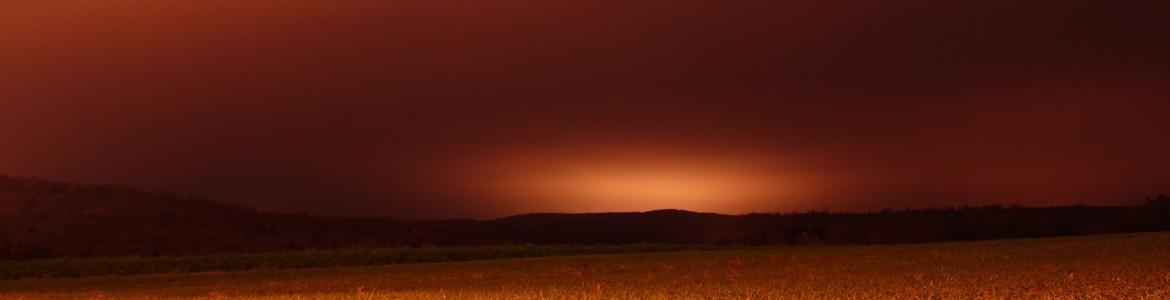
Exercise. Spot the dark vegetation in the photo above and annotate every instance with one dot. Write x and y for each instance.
(48, 219)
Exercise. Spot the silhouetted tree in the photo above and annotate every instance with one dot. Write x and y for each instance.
(48, 219)
(1161, 207)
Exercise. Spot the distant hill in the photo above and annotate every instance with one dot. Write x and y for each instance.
(42, 218)
(660, 226)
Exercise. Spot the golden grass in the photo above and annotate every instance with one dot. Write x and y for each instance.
(1130, 266)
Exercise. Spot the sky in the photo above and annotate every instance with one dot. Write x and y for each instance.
(484, 109)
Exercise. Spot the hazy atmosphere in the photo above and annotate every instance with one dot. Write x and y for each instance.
(483, 109)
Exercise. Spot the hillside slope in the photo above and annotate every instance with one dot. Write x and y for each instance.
(42, 218)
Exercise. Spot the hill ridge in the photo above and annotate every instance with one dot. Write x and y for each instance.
(44, 218)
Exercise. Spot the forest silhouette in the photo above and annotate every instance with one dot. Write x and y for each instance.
(45, 219)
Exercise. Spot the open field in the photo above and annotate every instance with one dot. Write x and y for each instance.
(131, 265)
(1132, 266)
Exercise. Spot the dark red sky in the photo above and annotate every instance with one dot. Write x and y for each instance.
(437, 109)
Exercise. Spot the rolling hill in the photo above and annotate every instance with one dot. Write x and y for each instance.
(43, 218)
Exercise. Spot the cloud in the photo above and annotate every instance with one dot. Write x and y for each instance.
(382, 107)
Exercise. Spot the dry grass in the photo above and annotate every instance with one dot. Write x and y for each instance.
(1132, 266)
(107, 266)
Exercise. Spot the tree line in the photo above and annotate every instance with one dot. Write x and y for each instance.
(43, 219)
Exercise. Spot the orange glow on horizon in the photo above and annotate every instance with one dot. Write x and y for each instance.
(630, 181)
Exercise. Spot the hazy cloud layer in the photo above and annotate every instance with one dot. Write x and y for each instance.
(423, 109)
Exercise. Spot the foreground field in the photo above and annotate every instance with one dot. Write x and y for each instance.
(1132, 266)
(99, 266)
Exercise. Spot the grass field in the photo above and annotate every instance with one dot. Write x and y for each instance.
(100, 266)
(1130, 266)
